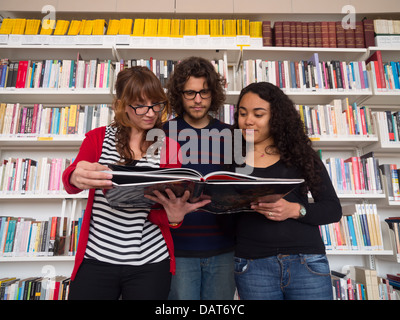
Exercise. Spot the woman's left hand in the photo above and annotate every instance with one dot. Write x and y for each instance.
(279, 210)
(176, 207)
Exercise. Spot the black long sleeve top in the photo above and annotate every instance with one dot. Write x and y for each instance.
(259, 237)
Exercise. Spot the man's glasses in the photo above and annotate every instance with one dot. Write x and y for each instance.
(142, 110)
(191, 94)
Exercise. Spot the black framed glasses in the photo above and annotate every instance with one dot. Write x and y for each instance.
(191, 94)
(142, 110)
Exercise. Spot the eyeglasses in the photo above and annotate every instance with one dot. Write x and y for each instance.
(191, 94)
(142, 110)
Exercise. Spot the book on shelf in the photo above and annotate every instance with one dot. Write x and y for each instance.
(228, 191)
(355, 175)
(394, 225)
(360, 283)
(358, 229)
(389, 126)
(35, 288)
(57, 74)
(35, 177)
(338, 118)
(390, 175)
(308, 75)
(28, 237)
(17, 120)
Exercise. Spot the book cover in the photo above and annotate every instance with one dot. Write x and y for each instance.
(229, 192)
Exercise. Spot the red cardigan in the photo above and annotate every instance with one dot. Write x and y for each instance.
(90, 151)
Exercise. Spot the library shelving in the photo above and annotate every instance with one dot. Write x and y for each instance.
(230, 55)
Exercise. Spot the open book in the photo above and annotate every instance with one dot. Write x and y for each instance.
(229, 192)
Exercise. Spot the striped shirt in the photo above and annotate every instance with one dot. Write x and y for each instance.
(123, 236)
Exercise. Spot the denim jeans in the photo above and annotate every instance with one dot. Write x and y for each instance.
(203, 278)
(284, 277)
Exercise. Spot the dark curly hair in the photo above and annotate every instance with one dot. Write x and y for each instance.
(195, 67)
(134, 84)
(288, 132)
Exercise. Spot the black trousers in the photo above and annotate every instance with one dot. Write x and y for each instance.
(97, 280)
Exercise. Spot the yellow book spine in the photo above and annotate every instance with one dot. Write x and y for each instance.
(256, 29)
(203, 27)
(60, 27)
(138, 28)
(19, 26)
(7, 26)
(113, 27)
(164, 27)
(230, 28)
(190, 27)
(48, 27)
(32, 26)
(150, 28)
(216, 28)
(74, 28)
(98, 27)
(242, 27)
(126, 26)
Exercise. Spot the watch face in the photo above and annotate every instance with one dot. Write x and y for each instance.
(303, 211)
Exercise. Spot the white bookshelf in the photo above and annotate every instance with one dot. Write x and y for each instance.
(233, 57)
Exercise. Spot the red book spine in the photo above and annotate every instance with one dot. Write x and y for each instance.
(267, 33)
(325, 34)
(359, 35)
(332, 34)
(311, 34)
(278, 28)
(286, 33)
(304, 27)
(318, 34)
(369, 33)
(21, 75)
(340, 36)
(349, 36)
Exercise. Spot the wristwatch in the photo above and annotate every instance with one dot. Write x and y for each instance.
(302, 211)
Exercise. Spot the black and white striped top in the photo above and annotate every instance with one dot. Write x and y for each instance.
(123, 236)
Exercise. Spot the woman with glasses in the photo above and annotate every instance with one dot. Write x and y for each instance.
(124, 253)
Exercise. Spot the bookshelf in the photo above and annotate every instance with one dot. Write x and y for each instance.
(233, 57)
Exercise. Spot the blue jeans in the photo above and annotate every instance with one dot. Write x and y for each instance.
(203, 278)
(284, 277)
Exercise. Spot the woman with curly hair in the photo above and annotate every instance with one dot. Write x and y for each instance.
(279, 252)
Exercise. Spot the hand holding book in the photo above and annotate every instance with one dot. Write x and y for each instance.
(89, 175)
(175, 207)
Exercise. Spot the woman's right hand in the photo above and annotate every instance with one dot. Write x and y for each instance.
(89, 175)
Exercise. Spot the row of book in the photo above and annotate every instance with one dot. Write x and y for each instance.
(390, 179)
(323, 34)
(56, 74)
(28, 237)
(39, 120)
(359, 283)
(30, 176)
(389, 126)
(355, 175)
(394, 224)
(338, 118)
(359, 229)
(164, 68)
(147, 27)
(34, 288)
(311, 74)
(278, 33)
